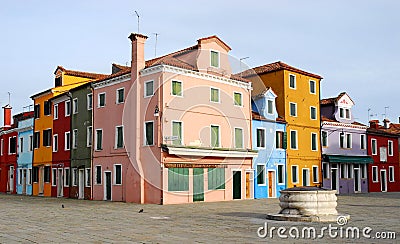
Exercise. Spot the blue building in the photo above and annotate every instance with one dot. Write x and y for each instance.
(25, 153)
(269, 138)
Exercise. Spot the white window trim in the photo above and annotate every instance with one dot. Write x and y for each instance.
(172, 82)
(145, 135)
(219, 58)
(88, 172)
(116, 94)
(297, 140)
(95, 137)
(283, 174)
(145, 89)
(89, 136)
(272, 109)
(75, 105)
(351, 140)
(75, 139)
(9, 145)
(55, 139)
(67, 146)
(66, 108)
(21, 144)
(116, 137)
(115, 175)
(1, 146)
(219, 135)
(95, 175)
(290, 112)
(316, 141)
(363, 141)
(172, 130)
(391, 173)
(65, 177)
(29, 177)
(315, 86)
(311, 108)
(327, 143)
(390, 145)
(98, 100)
(372, 147)
(74, 176)
(55, 108)
(234, 137)
(54, 176)
(265, 135)
(375, 168)
(297, 174)
(88, 102)
(313, 174)
(295, 85)
(241, 99)
(264, 176)
(219, 94)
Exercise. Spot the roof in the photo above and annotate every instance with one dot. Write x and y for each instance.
(333, 100)
(41, 93)
(393, 130)
(276, 66)
(257, 116)
(325, 119)
(80, 73)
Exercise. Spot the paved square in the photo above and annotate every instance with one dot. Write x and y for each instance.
(43, 220)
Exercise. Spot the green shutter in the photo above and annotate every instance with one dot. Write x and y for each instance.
(176, 88)
(214, 59)
(178, 179)
(216, 178)
(238, 99)
(284, 140)
(214, 136)
(238, 138)
(214, 95)
(177, 131)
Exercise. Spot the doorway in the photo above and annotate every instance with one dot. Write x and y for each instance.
(81, 183)
(11, 179)
(383, 180)
(60, 182)
(198, 184)
(271, 184)
(357, 180)
(237, 184)
(306, 177)
(334, 178)
(41, 180)
(107, 185)
(249, 184)
(24, 181)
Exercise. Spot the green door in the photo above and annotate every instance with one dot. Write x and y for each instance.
(198, 184)
(237, 184)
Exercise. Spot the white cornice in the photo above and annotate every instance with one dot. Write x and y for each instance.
(210, 153)
(5, 132)
(336, 124)
(195, 74)
(112, 81)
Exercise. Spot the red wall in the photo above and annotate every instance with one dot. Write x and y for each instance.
(6, 161)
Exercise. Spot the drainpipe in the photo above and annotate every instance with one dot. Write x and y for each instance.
(69, 95)
(92, 148)
(320, 131)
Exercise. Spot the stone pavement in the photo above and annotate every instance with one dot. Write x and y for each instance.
(43, 220)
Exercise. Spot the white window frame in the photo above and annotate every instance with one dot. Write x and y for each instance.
(172, 82)
(219, 135)
(55, 113)
(89, 102)
(241, 99)
(67, 104)
(290, 109)
(351, 140)
(115, 174)
(297, 174)
(327, 143)
(54, 177)
(116, 137)
(272, 106)
(297, 140)
(374, 148)
(145, 135)
(89, 136)
(21, 144)
(172, 129)
(294, 88)
(264, 176)
(264, 139)
(219, 58)
(345, 113)
(145, 89)
(316, 141)
(88, 177)
(102, 137)
(390, 148)
(314, 85)
(55, 143)
(117, 97)
(219, 94)
(391, 174)
(65, 177)
(29, 177)
(375, 169)
(317, 177)
(75, 139)
(315, 109)
(67, 146)
(234, 137)
(97, 167)
(283, 174)
(9, 145)
(74, 177)
(363, 141)
(75, 106)
(98, 100)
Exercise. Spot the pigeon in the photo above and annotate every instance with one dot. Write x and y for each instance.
(62, 205)
(141, 210)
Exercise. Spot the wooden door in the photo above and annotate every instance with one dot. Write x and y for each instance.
(198, 184)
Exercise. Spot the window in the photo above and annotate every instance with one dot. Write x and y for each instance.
(373, 147)
(21, 145)
(29, 177)
(75, 106)
(270, 107)
(19, 179)
(324, 138)
(363, 171)
(47, 138)
(98, 174)
(119, 137)
(102, 100)
(350, 171)
(36, 139)
(12, 145)
(89, 101)
(295, 174)
(47, 174)
(54, 177)
(99, 139)
(1, 146)
(375, 173)
(178, 179)
(391, 173)
(215, 59)
(390, 148)
(67, 141)
(293, 139)
(260, 137)
(341, 140)
(280, 140)
(177, 88)
(325, 170)
(31, 143)
(74, 176)
(238, 99)
(35, 174)
(344, 113)
(67, 105)
(292, 81)
(149, 133)
(362, 141)
(214, 95)
(177, 131)
(214, 136)
(383, 154)
(37, 111)
(293, 109)
(149, 88)
(57, 81)
(87, 177)
(117, 174)
(314, 142)
(55, 143)
(216, 178)
(281, 174)
(89, 136)
(120, 95)
(343, 170)
(261, 174)
(348, 140)
(313, 113)
(55, 111)
(341, 112)
(347, 113)
(47, 108)
(312, 87)
(75, 138)
(66, 176)
(238, 138)
(315, 174)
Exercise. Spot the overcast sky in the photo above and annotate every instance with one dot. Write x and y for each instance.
(354, 45)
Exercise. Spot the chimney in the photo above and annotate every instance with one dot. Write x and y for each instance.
(386, 123)
(374, 124)
(137, 62)
(7, 116)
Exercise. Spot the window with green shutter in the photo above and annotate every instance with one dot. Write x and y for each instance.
(238, 98)
(177, 131)
(238, 138)
(215, 59)
(178, 179)
(149, 89)
(149, 138)
(214, 136)
(214, 95)
(270, 105)
(176, 88)
(216, 178)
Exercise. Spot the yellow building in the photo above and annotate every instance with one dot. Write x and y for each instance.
(298, 98)
(43, 125)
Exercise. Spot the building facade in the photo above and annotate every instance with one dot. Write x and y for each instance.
(269, 133)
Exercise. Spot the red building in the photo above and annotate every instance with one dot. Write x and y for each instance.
(384, 149)
(61, 143)
(8, 153)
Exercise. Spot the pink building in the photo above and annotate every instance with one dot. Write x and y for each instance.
(185, 128)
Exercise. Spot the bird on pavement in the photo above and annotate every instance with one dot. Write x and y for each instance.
(141, 210)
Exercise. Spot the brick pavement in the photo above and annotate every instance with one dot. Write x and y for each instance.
(43, 220)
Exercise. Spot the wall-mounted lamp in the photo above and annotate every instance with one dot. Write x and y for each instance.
(156, 111)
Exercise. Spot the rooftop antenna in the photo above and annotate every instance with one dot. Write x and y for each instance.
(155, 47)
(386, 111)
(9, 98)
(240, 61)
(137, 21)
(368, 114)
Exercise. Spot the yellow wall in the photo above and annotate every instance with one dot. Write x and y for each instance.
(304, 157)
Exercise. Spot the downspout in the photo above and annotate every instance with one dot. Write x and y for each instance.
(92, 147)
(160, 135)
(69, 95)
(320, 131)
